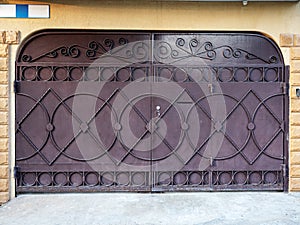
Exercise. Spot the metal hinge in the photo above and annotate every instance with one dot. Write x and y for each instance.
(284, 170)
(16, 172)
(16, 86)
(157, 189)
(285, 88)
(211, 88)
(212, 161)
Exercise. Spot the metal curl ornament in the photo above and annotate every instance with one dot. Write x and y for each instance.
(228, 52)
(72, 51)
(180, 42)
(194, 43)
(26, 58)
(273, 59)
(109, 43)
(211, 54)
(237, 54)
(208, 46)
(123, 41)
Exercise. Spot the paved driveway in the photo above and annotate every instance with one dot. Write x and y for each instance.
(172, 208)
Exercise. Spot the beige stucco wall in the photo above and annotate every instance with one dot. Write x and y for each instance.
(272, 18)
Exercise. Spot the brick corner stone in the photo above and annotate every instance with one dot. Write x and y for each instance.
(4, 197)
(2, 37)
(3, 77)
(4, 172)
(286, 40)
(3, 158)
(295, 158)
(3, 90)
(295, 145)
(4, 145)
(3, 50)
(295, 66)
(12, 37)
(4, 185)
(295, 184)
(295, 53)
(297, 40)
(3, 64)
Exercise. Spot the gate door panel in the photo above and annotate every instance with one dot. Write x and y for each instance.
(227, 100)
(73, 113)
(138, 111)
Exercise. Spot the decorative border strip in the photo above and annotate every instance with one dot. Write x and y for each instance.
(24, 11)
(112, 180)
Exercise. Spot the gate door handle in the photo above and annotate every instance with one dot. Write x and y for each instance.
(157, 110)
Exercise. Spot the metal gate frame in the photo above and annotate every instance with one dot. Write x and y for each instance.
(68, 54)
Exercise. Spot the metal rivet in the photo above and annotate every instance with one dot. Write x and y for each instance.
(84, 127)
(251, 126)
(49, 127)
(117, 126)
(185, 126)
(218, 126)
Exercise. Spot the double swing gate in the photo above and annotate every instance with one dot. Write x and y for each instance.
(150, 111)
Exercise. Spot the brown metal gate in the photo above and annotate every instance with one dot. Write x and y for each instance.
(150, 111)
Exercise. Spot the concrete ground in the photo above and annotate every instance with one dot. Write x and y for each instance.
(172, 208)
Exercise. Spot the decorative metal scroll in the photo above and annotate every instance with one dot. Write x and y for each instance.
(73, 52)
(193, 48)
(93, 51)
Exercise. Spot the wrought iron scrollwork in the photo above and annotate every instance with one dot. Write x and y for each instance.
(183, 49)
(26, 58)
(95, 48)
(73, 51)
(122, 51)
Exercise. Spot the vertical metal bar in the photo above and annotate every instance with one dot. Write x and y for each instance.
(153, 79)
(210, 179)
(286, 136)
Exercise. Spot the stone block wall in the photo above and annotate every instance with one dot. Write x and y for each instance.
(7, 38)
(292, 43)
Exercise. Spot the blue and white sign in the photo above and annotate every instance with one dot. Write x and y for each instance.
(24, 11)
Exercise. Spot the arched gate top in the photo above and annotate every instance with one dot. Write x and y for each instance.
(81, 48)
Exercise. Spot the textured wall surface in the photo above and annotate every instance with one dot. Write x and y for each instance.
(292, 42)
(7, 38)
